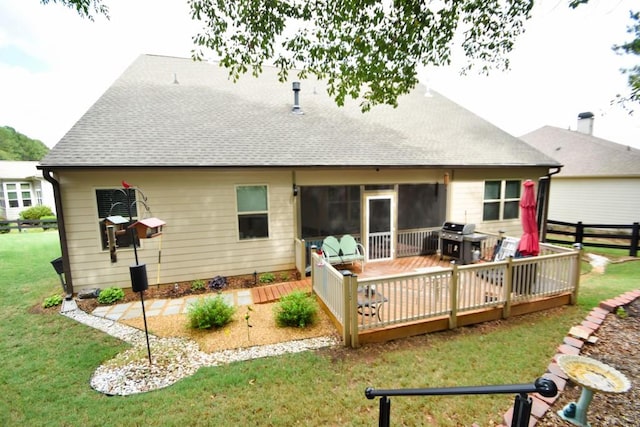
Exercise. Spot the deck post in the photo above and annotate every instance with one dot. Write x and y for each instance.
(352, 282)
(507, 283)
(346, 316)
(453, 317)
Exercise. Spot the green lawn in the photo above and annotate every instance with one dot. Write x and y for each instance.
(49, 360)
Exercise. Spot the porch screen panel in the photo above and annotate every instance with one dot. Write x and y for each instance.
(421, 206)
(330, 210)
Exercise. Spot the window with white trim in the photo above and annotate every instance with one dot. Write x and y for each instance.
(18, 194)
(501, 200)
(253, 211)
(113, 202)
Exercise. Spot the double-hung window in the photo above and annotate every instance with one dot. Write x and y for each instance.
(114, 202)
(253, 211)
(501, 200)
(18, 194)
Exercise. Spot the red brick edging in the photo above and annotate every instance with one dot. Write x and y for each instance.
(572, 344)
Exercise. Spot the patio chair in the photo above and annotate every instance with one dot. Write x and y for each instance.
(331, 250)
(352, 251)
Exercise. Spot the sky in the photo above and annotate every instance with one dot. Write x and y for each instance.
(54, 65)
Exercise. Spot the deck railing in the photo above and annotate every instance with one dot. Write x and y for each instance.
(361, 305)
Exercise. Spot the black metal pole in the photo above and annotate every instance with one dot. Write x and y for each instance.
(135, 252)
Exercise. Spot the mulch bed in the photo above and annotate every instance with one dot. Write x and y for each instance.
(182, 289)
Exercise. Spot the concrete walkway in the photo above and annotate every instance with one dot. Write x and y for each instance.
(167, 307)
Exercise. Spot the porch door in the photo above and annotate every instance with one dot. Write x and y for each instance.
(379, 230)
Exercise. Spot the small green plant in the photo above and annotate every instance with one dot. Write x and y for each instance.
(52, 301)
(198, 285)
(210, 313)
(267, 278)
(621, 313)
(297, 309)
(110, 295)
(285, 277)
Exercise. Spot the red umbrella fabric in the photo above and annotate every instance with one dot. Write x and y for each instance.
(529, 243)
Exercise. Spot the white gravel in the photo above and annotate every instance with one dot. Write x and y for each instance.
(171, 358)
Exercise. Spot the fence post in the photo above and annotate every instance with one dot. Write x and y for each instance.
(346, 315)
(579, 232)
(453, 292)
(19, 221)
(507, 284)
(635, 237)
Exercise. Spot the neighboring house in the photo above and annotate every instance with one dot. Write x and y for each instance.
(600, 180)
(22, 186)
(238, 172)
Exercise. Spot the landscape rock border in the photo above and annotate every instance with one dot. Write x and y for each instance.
(172, 358)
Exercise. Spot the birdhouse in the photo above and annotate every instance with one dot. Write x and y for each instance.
(118, 222)
(148, 227)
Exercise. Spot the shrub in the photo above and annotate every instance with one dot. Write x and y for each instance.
(110, 295)
(198, 285)
(4, 227)
(210, 313)
(297, 309)
(267, 278)
(49, 225)
(36, 212)
(285, 277)
(52, 301)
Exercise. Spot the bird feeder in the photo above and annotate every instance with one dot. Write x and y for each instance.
(118, 222)
(148, 228)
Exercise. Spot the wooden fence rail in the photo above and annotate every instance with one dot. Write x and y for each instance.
(597, 235)
(22, 224)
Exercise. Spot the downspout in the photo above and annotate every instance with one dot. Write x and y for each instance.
(542, 221)
(46, 173)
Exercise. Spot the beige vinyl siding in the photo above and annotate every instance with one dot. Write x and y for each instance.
(595, 200)
(369, 176)
(466, 197)
(200, 239)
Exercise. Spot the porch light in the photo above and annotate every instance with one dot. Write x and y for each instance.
(295, 190)
(148, 228)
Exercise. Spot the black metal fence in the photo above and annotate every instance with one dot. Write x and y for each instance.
(596, 235)
(22, 224)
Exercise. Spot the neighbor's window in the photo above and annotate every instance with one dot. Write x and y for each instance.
(253, 211)
(113, 202)
(501, 200)
(18, 194)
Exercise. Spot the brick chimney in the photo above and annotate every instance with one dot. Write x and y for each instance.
(585, 123)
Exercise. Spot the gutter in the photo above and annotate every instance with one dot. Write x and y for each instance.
(62, 233)
(542, 219)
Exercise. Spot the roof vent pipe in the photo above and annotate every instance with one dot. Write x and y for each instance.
(296, 99)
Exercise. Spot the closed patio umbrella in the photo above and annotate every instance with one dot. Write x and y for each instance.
(529, 244)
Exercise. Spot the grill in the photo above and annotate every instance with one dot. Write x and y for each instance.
(460, 243)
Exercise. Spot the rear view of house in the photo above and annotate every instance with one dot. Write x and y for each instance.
(238, 172)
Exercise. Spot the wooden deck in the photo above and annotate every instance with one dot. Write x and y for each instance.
(271, 293)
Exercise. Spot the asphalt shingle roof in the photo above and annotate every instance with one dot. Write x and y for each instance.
(584, 155)
(146, 119)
